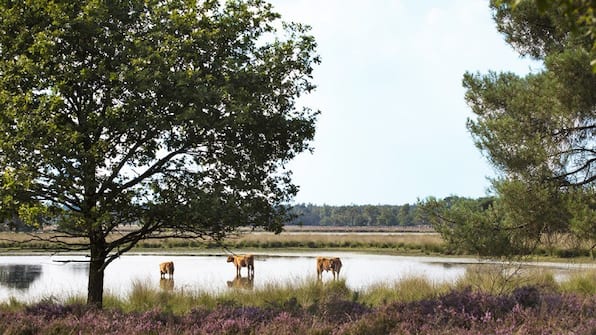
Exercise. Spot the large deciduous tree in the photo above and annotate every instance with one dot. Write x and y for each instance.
(539, 130)
(174, 116)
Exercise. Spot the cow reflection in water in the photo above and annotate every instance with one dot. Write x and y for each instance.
(242, 282)
(166, 284)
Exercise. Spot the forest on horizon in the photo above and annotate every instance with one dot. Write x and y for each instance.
(362, 215)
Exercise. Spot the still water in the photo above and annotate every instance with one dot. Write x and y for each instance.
(31, 278)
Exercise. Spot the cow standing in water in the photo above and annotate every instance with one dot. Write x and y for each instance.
(332, 264)
(166, 268)
(243, 261)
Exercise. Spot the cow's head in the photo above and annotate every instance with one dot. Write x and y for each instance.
(335, 263)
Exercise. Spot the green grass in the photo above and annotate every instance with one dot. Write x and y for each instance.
(12, 304)
(504, 278)
(310, 293)
(305, 293)
(406, 290)
(582, 282)
(144, 297)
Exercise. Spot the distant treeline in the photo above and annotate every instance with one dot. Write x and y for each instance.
(357, 215)
(325, 215)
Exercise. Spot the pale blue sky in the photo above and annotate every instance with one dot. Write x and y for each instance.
(392, 128)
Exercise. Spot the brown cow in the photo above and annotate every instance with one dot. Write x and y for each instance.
(332, 264)
(166, 267)
(246, 261)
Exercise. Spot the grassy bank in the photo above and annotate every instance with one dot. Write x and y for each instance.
(406, 243)
(419, 241)
(411, 306)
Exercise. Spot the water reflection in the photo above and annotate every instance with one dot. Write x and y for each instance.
(242, 282)
(19, 276)
(35, 277)
(78, 268)
(166, 284)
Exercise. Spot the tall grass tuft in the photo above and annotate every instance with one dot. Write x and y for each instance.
(304, 292)
(503, 278)
(13, 304)
(143, 297)
(293, 294)
(404, 290)
(582, 283)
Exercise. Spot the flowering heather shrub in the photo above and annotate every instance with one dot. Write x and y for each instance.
(527, 310)
(50, 310)
(527, 296)
(340, 311)
(286, 323)
(233, 320)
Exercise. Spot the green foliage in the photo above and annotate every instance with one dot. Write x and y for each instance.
(176, 116)
(524, 219)
(532, 211)
(469, 226)
(539, 130)
(582, 208)
(579, 17)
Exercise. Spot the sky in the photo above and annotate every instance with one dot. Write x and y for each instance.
(392, 128)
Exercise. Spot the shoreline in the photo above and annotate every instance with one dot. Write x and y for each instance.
(556, 263)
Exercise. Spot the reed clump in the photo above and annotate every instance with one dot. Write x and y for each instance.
(405, 290)
(583, 282)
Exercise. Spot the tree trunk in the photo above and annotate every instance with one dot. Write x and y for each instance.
(96, 274)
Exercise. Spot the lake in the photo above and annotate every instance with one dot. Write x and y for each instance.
(31, 278)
